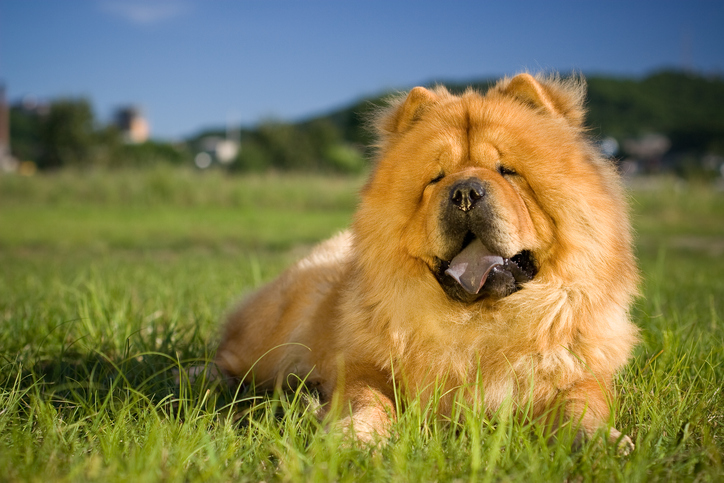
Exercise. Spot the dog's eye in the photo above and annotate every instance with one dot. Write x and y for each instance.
(437, 178)
(505, 171)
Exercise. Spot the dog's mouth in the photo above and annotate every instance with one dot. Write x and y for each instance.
(477, 272)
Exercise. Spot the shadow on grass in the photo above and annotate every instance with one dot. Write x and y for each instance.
(179, 390)
(95, 382)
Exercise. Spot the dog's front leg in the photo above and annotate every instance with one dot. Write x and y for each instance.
(588, 402)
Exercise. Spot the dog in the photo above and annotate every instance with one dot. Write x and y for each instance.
(490, 257)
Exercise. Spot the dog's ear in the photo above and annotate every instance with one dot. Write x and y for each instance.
(402, 115)
(552, 95)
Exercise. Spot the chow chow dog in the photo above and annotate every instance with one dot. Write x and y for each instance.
(489, 258)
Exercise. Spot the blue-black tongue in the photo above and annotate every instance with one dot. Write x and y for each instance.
(470, 268)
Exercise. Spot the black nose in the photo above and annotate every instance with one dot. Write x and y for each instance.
(466, 193)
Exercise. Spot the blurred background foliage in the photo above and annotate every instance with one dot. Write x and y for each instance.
(678, 113)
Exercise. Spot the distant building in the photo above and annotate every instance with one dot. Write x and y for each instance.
(215, 148)
(649, 150)
(132, 124)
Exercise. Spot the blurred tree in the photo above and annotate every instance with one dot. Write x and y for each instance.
(25, 133)
(684, 107)
(66, 134)
(344, 158)
(151, 153)
(331, 151)
(252, 157)
(352, 122)
(288, 148)
(107, 147)
(321, 133)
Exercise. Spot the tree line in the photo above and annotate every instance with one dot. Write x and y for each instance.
(65, 133)
(686, 109)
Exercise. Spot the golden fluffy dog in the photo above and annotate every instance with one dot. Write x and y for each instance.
(490, 256)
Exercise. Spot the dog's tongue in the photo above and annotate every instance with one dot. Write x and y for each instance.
(470, 268)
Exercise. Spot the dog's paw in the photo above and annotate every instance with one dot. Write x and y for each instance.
(370, 426)
(624, 445)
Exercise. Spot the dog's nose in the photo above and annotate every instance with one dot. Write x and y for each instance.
(466, 193)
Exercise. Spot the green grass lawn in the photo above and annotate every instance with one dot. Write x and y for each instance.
(113, 284)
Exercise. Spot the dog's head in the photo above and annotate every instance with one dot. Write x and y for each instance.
(487, 192)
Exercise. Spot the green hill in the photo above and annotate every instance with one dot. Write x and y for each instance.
(687, 108)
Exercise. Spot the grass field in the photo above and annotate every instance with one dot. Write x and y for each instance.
(113, 284)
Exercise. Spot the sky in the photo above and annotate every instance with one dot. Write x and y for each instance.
(198, 64)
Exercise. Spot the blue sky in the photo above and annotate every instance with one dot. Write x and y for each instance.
(193, 64)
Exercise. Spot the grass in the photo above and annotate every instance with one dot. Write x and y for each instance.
(113, 285)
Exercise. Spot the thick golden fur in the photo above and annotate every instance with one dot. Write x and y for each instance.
(365, 307)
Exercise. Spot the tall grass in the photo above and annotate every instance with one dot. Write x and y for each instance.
(112, 286)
